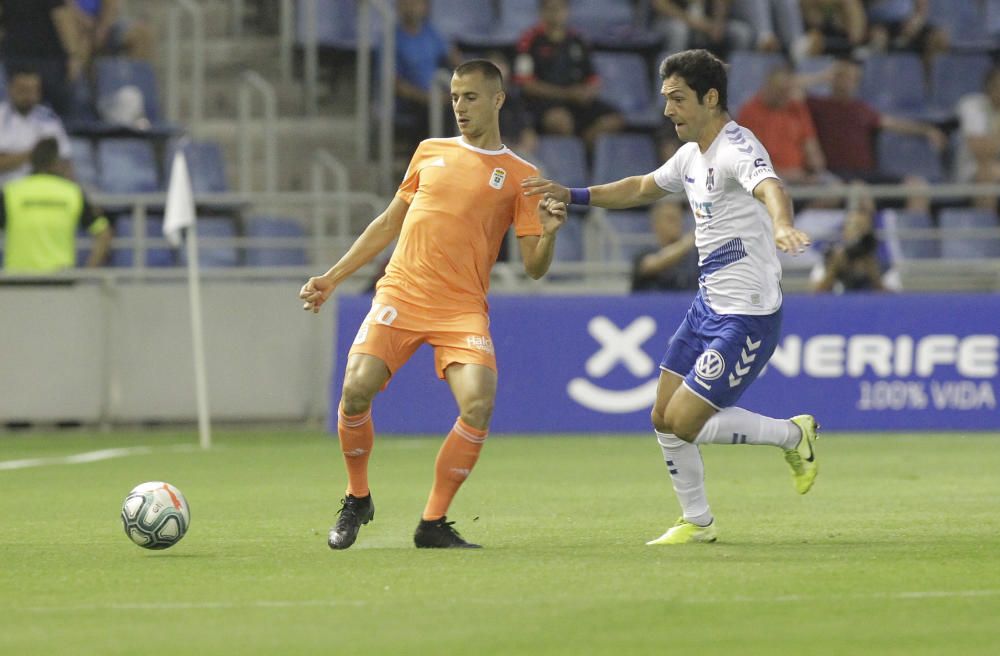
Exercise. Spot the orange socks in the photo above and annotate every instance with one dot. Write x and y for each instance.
(455, 461)
(357, 434)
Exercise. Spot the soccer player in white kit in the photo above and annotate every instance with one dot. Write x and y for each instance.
(741, 214)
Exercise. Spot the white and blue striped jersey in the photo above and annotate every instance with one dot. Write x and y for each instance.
(740, 272)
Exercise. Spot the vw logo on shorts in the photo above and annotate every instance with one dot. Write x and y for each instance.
(710, 365)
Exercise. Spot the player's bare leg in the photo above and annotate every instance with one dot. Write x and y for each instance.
(364, 377)
(474, 387)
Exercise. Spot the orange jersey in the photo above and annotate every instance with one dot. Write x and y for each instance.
(462, 202)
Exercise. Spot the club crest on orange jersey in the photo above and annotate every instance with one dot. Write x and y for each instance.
(497, 178)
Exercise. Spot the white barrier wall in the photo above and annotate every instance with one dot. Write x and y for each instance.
(121, 352)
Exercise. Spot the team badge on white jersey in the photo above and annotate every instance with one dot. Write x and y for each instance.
(497, 178)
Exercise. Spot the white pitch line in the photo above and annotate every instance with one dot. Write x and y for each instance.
(90, 456)
(332, 603)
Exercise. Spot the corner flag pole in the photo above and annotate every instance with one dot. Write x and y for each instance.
(179, 217)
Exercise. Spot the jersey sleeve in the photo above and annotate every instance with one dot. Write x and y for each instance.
(408, 187)
(526, 223)
(669, 176)
(748, 164)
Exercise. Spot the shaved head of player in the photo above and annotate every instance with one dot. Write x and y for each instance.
(742, 214)
(451, 213)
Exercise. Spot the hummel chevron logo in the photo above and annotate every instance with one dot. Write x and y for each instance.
(742, 367)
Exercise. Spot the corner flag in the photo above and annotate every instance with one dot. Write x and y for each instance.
(179, 213)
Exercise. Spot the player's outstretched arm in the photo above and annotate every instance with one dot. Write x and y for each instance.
(370, 243)
(627, 192)
(536, 252)
(786, 237)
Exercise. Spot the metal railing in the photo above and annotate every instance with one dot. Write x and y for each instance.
(252, 83)
(286, 38)
(435, 102)
(196, 51)
(324, 162)
(387, 81)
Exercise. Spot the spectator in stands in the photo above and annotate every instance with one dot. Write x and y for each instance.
(782, 123)
(904, 25)
(978, 158)
(41, 213)
(704, 24)
(42, 35)
(556, 75)
(672, 265)
(856, 262)
(516, 121)
(834, 26)
(420, 52)
(23, 122)
(777, 25)
(105, 31)
(847, 126)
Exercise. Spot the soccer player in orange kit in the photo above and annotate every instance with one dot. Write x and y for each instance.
(451, 212)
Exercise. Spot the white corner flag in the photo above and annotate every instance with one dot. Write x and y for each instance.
(180, 200)
(178, 215)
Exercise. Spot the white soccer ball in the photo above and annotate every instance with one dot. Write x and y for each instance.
(155, 515)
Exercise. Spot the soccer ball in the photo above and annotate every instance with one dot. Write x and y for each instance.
(155, 515)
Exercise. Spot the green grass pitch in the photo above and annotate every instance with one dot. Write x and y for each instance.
(895, 551)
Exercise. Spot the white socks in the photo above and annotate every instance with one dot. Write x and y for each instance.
(687, 472)
(739, 426)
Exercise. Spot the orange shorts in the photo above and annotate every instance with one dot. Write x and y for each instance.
(466, 341)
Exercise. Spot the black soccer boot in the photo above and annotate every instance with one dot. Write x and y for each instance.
(354, 511)
(439, 534)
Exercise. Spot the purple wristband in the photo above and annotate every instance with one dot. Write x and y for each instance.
(579, 195)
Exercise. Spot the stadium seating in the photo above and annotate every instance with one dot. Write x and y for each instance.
(968, 246)
(3, 83)
(809, 65)
(516, 17)
(127, 166)
(908, 247)
(965, 22)
(206, 165)
(336, 23)
(84, 163)
(113, 73)
(621, 155)
(955, 74)
(894, 83)
(564, 159)
(633, 231)
(463, 21)
(215, 255)
(902, 155)
(824, 228)
(625, 84)
(569, 245)
(265, 226)
(156, 256)
(747, 73)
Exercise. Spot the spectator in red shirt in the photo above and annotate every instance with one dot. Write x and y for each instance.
(782, 124)
(560, 86)
(847, 126)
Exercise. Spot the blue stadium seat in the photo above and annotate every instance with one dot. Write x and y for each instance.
(113, 73)
(894, 82)
(206, 166)
(463, 21)
(215, 255)
(955, 74)
(622, 155)
(902, 155)
(625, 84)
(910, 247)
(564, 159)
(966, 246)
(808, 65)
(3, 83)
(264, 226)
(569, 245)
(747, 73)
(336, 23)
(516, 17)
(84, 163)
(127, 166)
(966, 23)
(633, 231)
(157, 256)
